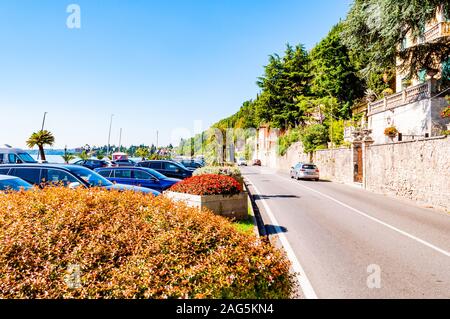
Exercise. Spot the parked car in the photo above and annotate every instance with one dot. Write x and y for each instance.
(191, 164)
(256, 162)
(11, 155)
(138, 176)
(13, 183)
(123, 163)
(305, 171)
(72, 176)
(167, 168)
(93, 163)
(241, 162)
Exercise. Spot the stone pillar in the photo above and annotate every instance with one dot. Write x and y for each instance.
(366, 143)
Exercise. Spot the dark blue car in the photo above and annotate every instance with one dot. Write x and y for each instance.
(138, 176)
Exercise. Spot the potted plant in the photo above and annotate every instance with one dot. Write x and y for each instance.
(446, 112)
(391, 132)
(388, 91)
(221, 194)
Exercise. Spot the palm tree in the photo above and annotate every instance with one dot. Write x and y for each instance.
(68, 157)
(40, 139)
(84, 156)
(142, 152)
(100, 155)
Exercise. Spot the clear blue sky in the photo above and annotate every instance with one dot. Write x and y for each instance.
(156, 65)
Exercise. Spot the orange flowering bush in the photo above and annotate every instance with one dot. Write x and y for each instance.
(208, 184)
(89, 243)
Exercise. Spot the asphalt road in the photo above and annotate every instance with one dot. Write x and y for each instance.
(349, 243)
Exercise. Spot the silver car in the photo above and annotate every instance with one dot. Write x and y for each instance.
(305, 171)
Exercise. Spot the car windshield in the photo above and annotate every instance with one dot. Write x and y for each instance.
(180, 164)
(155, 173)
(14, 184)
(90, 177)
(26, 158)
(309, 166)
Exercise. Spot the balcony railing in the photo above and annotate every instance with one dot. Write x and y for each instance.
(440, 29)
(409, 95)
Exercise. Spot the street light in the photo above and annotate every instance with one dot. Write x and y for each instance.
(109, 135)
(42, 127)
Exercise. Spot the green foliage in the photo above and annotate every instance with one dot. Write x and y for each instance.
(100, 155)
(143, 153)
(314, 137)
(285, 78)
(84, 156)
(374, 29)
(334, 73)
(40, 139)
(285, 141)
(68, 157)
(336, 132)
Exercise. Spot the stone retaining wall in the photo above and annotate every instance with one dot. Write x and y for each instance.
(418, 170)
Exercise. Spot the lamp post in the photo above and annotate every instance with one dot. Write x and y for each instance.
(42, 127)
(109, 135)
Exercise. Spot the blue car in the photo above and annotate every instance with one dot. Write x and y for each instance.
(11, 183)
(138, 176)
(71, 176)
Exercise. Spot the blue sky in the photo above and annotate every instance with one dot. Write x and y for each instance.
(155, 65)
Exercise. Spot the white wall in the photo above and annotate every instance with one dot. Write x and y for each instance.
(410, 119)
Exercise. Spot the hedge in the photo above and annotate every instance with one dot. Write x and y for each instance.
(209, 184)
(129, 245)
(231, 171)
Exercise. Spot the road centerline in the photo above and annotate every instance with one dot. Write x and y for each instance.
(404, 233)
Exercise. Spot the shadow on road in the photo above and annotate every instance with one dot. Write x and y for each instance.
(273, 230)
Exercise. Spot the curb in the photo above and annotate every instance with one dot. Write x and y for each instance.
(257, 218)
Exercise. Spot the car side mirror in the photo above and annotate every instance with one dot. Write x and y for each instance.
(74, 185)
(19, 161)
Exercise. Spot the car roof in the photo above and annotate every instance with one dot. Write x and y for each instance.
(37, 165)
(7, 177)
(11, 150)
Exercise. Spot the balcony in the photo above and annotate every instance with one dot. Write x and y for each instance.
(409, 95)
(441, 29)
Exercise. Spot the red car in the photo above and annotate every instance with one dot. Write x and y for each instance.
(256, 162)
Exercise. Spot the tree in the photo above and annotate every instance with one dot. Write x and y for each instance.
(84, 155)
(143, 152)
(40, 139)
(100, 155)
(375, 30)
(285, 79)
(314, 137)
(68, 157)
(334, 73)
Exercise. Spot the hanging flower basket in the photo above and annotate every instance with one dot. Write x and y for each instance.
(391, 132)
(445, 112)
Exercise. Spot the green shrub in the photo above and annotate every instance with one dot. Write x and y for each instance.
(129, 245)
(285, 141)
(314, 137)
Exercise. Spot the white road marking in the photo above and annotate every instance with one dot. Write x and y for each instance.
(303, 280)
(423, 242)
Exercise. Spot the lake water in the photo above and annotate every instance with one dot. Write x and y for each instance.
(57, 159)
